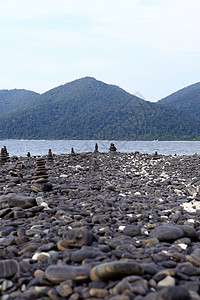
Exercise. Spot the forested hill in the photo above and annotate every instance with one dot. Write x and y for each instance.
(13, 100)
(186, 100)
(90, 109)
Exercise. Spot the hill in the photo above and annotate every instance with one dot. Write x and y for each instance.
(187, 100)
(90, 109)
(13, 100)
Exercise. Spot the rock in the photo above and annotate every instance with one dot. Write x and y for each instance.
(64, 289)
(136, 284)
(194, 257)
(98, 293)
(8, 268)
(167, 281)
(17, 200)
(189, 231)
(40, 182)
(131, 230)
(50, 156)
(79, 255)
(6, 241)
(173, 293)
(194, 295)
(40, 256)
(121, 286)
(35, 292)
(112, 148)
(167, 233)
(6, 284)
(188, 269)
(59, 273)
(77, 237)
(115, 270)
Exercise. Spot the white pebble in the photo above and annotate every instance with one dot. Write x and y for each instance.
(137, 194)
(167, 281)
(121, 228)
(183, 246)
(38, 255)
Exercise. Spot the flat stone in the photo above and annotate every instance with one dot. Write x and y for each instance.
(59, 273)
(194, 257)
(77, 237)
(167, 281)
(79, 255)
(6, 241)
(98, 293)
(167, 233)
(189, 231)
(5, 230)
(21, 201)
(188, 269)
(115, 270)
(64, 289)
(8, 268)
(41, 187)
(173, 293)
(6, 284)
(131, 230)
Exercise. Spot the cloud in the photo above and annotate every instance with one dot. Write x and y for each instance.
(127, 42)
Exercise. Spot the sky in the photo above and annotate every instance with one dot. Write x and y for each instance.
(150, 46)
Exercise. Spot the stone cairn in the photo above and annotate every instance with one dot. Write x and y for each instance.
(50, 156)
(112, 148)
(40, 182)
(96, 149)
(72, 152)
(4, 156)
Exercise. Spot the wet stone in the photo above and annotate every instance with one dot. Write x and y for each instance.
(98, 293)
(59, 273)
(115, 270)
(5, 230)
(5, 285)
(131, 230)
(6, 241)
(77, 237)
(8, 268)
(194, 257)
(174, 293)
(167, 233)
(64, 289)
(188, 269)
(167, 281)
(80, 255)
(21, 201)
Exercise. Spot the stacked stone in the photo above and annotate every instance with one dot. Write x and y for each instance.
(50, 156)
(96, 148)
(6, 152)
(4, 156)
(112, 148)
(40, 183)
(72, 152)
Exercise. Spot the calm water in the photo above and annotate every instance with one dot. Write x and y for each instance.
(41, 147)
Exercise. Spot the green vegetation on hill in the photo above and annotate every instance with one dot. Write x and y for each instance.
(13, 100)
(90, 109)
(186, 100)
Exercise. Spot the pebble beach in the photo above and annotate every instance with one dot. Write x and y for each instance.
(94, 225)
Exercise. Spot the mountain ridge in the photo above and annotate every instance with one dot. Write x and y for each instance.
(87, 108)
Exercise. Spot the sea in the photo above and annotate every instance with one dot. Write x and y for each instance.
(41, 147)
